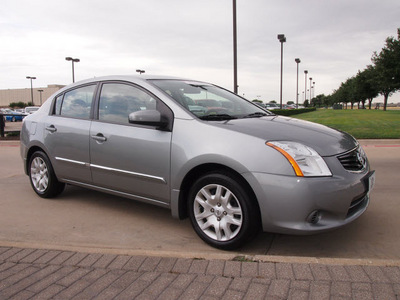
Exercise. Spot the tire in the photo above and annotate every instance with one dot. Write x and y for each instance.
(13, 119)
(42, 177)
(221, 211)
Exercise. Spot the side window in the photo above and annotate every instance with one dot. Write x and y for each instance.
(118, 100)
(77, 103)
(57, 109)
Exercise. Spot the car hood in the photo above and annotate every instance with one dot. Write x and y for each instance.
(326, 141)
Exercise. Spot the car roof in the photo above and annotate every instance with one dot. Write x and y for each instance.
(132, 78)
(136, 78)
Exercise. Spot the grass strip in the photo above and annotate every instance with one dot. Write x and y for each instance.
(361, 123)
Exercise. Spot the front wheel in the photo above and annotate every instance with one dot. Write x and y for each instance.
(41, 174)
(222, 212)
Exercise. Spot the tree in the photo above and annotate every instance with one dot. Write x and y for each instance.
(387, 67)
(321, 100)
(327, 100)
(348, 92)
(383, 77)
(355, 91)
(19, 104)
(366, 82)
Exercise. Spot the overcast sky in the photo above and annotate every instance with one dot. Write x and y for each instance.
(193, 38)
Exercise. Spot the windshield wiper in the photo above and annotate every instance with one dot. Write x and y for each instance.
(217, 117)
(256, 115)
(198, 86)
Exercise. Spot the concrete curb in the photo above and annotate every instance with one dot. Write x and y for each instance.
(207, 256)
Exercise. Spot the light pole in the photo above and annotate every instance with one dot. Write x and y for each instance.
(140, 71)
(282, 39)
(305, 88)
(31, 78)
(310, 88)
(235, 80)
(74, 60)
(297, 60)
(40, 91)
(313, 85)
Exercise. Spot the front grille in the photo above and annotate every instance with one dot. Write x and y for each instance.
(354, 161)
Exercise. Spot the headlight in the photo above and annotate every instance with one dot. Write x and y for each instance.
(304, 160)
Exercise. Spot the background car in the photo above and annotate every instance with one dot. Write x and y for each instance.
(287, 106)
(13, 116)
(260, 104)
(31, 109)
(271, 106)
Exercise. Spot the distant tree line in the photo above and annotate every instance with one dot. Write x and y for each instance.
(20, 104)
(382, 77)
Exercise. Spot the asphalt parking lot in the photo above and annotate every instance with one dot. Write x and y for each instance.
(84, 219)
(86, 245)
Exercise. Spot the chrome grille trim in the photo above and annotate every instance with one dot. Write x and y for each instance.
(354, 160)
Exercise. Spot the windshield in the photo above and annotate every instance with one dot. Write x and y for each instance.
(209, 102)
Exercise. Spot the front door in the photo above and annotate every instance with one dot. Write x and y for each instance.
(133, 160)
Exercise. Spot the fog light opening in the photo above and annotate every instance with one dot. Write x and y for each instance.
(314, 217)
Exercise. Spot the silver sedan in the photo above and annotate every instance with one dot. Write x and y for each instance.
(199, 150)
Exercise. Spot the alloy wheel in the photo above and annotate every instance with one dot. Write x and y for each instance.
(39, 174)
(218, 212)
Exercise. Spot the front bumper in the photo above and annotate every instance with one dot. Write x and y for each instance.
(301, 205)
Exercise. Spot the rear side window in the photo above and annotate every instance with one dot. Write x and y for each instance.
(58, 104)
(76, 103)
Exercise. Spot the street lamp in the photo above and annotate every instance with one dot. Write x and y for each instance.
(40, 91)
(140, 71)
(310, 88)
(31, 78)
(282, 39)
(297, 60)
(235, 80)
(313, 85)
(74, 60)
(305, 88)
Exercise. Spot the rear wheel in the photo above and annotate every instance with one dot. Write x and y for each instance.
(41, 174)
(221, 211)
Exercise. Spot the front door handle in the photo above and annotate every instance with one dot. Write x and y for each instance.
(99, 137)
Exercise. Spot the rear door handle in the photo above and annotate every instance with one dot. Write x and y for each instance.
(51, 128)
(99, 137)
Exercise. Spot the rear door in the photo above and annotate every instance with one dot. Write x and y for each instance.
(67, 134)
(130, 159)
